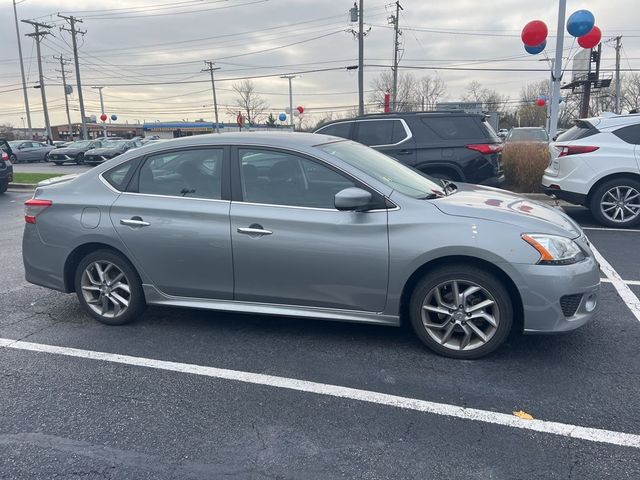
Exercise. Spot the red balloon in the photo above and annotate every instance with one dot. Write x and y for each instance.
(300, 109)
(103, 117)
(541, 102)
(591, 39)
(534, 33)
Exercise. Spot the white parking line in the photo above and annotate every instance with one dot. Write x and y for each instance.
(628, 282)
(485, 416)
(620, 285)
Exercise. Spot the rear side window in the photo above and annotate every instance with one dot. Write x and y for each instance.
(380, 132)
(630, 134)
(118, 176)
(454, 128)
(578, 131)
(337, 129)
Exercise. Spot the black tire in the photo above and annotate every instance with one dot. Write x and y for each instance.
(80, 159)
(13, 158)
(599, 194)
(4, 185)
(461, 273)
(58, 163)
(137, 302)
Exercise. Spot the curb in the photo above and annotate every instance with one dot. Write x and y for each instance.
(25, 187)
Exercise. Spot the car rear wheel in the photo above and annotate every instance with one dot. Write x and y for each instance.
(616, 203)
(461, 311)
(13, 158)
(109, 288)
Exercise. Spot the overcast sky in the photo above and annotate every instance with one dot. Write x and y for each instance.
(157, 42)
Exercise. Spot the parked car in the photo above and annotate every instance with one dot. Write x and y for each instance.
(454, 146)
(60, 143)
(503, 132)
(597, 164)
(29, 151)
(313, 226)
(109, 149)
(527, 134)
(6, 169)
(74, 152)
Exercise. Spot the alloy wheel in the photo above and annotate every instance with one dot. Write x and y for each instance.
(105, 288)
(460, 315)
(621, 204)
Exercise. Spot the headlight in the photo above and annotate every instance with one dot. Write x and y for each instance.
(553, 249)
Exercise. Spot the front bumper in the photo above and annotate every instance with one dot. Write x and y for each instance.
(542, 287)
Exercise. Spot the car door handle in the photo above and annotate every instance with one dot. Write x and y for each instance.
(134, 222)
(254, 231)
(405, 152)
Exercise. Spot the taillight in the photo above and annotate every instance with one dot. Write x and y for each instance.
(575, 149)
(486, 148)
(5, 158)
(34, 207)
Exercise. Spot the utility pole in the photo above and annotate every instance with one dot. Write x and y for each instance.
(554, 108)
(211, 68)
(361, 59)
(63, 62)
(618, 47)
(37, 35)
(24, 82)
(104, 123)
(290, 77)
(394, 19)
(74, 32)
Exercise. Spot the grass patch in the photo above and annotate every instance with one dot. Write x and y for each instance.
(22, 177)
(524, 165)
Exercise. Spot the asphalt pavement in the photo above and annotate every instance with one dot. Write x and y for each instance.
(170, 409)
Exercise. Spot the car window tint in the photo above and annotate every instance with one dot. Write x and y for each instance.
(375, 132)
(454, 128)
(337, 129)
(187, 173)
(117, 175)
(630, 134)
(282, 178)
(581, 129)
(399, 132)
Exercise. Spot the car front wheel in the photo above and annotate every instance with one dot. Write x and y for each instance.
(108, 288)
(616, 203)
(461, 311)
(80, 159)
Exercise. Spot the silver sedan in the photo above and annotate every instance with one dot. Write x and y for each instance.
(309, 226)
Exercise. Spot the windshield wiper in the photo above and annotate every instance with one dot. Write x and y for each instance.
(449, 187)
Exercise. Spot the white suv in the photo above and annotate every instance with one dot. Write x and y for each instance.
(597, 164)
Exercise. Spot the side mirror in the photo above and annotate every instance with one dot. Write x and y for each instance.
(352, 199)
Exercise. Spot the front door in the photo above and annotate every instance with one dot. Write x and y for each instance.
(291, 246)
(175, 222)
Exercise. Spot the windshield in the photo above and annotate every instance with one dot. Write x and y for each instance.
(14, 143)
(80, 144)
(383, 168)
(528, 135)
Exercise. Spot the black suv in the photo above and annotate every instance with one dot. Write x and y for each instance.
(450, 145)
(6, 169)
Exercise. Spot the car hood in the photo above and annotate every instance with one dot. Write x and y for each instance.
(105, 151)
(68, 151)
(503, 206)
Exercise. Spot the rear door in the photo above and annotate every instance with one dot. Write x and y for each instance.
(390, 136)
(174, 219)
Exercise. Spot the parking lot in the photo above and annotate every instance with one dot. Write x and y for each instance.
(194, 394)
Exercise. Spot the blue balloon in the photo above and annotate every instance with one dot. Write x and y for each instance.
(536, 49)
(580, 23)
(282, 117)
(114, 117)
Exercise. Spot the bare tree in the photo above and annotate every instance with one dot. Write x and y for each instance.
(429, 90)
(490, 99)
(405, 98)
(630, 91)
(247, 101)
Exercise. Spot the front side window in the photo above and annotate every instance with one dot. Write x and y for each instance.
(187, 173)
(282, 178)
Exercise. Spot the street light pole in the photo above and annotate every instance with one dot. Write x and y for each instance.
(104, 123)
(554, 108)
(290, 77)
(210, 68)
(24, 82)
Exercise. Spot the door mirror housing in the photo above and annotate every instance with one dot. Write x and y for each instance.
(353, 199)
